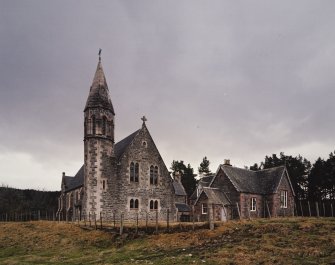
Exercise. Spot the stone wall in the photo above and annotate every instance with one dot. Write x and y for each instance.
(275, 199)
(245, 205)
(144, 152)
(222, 182)
(98, 153)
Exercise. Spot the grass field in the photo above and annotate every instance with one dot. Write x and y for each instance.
(275, 241)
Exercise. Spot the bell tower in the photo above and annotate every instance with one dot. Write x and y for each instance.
(98, 143)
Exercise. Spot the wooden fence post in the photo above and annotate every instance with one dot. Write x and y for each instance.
(136, 232)
(95, 221)
(309, 209)
(85, 219)
(100, 221)
(157, 222)
(89, 218)
(121, 224)
(267, 207)
(193, 227)
(168, 220)
(295, 210)
(114, 221)
(210, 216)
(324, 210)
(238, 210)
(331, 209)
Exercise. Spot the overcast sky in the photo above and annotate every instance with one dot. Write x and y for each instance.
(222, 79)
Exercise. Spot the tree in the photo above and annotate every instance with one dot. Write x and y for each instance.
(316, 179)
(187, 175)
(255, 167)
(204, 167)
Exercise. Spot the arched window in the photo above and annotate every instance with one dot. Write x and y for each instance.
(133, 204)
(151, 174)
(137, 171)
(85, 127)
(104, 125)
(93, 125)
(103, 184)
(154, 175)
(112, 129)
(153, 205)
(134, 172)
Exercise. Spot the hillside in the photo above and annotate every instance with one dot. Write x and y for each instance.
(17, 201)
(276, 241)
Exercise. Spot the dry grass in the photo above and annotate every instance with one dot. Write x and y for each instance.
(276, 241)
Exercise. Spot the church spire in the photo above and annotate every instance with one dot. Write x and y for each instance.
(99, 93)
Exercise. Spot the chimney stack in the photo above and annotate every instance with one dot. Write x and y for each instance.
(177, 176)
(227, 162)
(63, 174)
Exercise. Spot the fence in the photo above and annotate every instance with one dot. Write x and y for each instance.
(152, 225)
(28, 216)
(306, 208)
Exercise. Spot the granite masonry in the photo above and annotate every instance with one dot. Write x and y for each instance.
(129, 177)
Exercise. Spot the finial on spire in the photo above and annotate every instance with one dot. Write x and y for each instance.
(144, 119)
(100, 55)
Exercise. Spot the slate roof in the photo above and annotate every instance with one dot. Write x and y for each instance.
(99, 94)
(121, 146)
(179, 188)
(206, 180)
(216, 196)
(263, 181)
(77, 181)
(182, 207)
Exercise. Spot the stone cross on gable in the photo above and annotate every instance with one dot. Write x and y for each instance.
(144, 119)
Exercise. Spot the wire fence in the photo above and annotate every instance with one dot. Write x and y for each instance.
(152, 224)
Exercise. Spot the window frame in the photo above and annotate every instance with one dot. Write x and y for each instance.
(153, 175)
(283, 199)
(253, 204)
(134, 172)
(94, 125)
(104, 126)
(204, 208)
(153, 205)
(133, 204)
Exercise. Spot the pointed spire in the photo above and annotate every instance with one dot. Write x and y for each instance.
(99, 94)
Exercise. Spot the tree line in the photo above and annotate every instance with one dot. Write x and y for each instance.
(28, 200)
(310, 181)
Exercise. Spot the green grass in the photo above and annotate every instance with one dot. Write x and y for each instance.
(260, 241)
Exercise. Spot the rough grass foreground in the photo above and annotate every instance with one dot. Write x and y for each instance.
(276, 241)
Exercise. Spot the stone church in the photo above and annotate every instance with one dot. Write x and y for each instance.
(128, 177)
